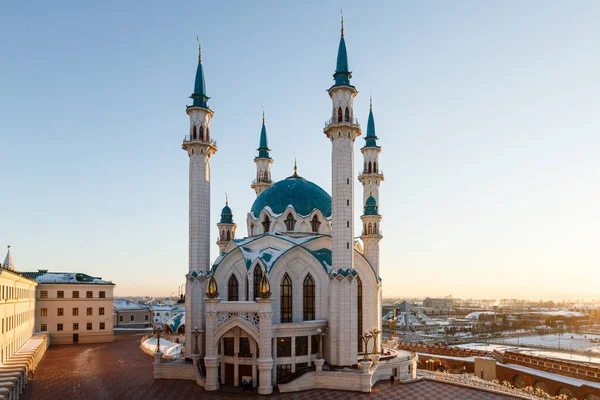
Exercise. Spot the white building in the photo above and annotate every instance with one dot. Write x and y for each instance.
(17, 308)
(264, 300)
(161, 313)
(73, 307)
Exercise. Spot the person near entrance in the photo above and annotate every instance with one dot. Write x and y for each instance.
(392, 379)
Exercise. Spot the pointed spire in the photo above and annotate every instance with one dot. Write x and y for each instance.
(8, 261)
(199, 96)
(371, 137)
(226, 213)
(295, 166)
(263, 147)
(342, 12)
(342, 72)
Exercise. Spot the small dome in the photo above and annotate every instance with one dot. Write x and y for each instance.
(226, 215)
(301, 194)
(371, 206)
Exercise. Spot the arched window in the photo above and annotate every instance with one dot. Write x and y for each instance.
(194, 133)
(207, 133)
(132, 318)
(375, 227)
(369, 170)
(375, 166)
(347, 115)
(359, 309)
(232, 289)
(266, 224)
(247, 287)
(201, 133)
(315, 224)
(146, 317)
(286, 299)
(339, 114)
(290, 222)
(370, 231)
(365, 229)
(308, 299)
(365, 168)
(121, 318)
(258, 273)
(228, 236)
(223, 234)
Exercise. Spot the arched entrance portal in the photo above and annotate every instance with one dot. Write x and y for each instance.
(238, 352)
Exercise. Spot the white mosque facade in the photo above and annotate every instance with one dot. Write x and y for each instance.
(289, 304)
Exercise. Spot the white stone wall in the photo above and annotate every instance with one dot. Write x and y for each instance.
(303, 223)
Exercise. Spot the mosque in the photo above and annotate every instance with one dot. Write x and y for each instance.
(294, 303)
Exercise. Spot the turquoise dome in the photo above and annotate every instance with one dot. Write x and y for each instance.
(301, 194)
(226, 215)
(371, 206)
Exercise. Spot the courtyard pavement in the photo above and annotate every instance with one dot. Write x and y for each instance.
(120, 370)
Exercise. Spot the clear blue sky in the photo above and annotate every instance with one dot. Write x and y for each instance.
(487, 113)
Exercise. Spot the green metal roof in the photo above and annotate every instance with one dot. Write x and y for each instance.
(294, 191)
(371, 138)
(199, 96)
(226, 215)
(371, 206)
(263, 147)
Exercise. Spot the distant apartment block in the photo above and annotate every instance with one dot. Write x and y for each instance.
(128, 314)
(439, 303)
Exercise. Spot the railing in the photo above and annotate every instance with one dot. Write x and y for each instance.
(255, 181)
(351, 121)
(476, 383)
(299, 372)
(378, 232)
(396, 359)
(188, 138)
(365, 172)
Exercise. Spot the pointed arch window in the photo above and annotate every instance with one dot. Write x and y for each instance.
(232, 289)
(194, 133)
(228, 236)
(247, 287)
(314, 223)
(266, 224)
(207, 133)
(286, 299)
(359, 310)
(258, 273)
(308, 298)
(375, 227)
(370, 231)
(347, 115)
(370, 165)
(339, 114)
(201, 133)
(290, 222)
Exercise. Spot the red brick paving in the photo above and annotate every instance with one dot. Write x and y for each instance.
(119, 370)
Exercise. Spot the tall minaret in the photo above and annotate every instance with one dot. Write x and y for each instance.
(200, 148)
(342, 129)
(263, 163)
(226, 227)
(371, 177)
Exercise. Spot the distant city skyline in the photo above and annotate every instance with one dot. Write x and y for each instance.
(486, 112)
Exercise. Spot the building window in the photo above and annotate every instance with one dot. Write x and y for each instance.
(75, 294)
(339, 114)
(228, 347)
(286, 299)
(315, 224)
(60, 294)
(60, 312)
(89, 326)
(146, 317)
(290, 222)
(359, 309)
(301, 345)
(232, 289)
(102, 294)
(314, 344)
(284, 347)
(120, 318)
(158, 314)
(347, 202)
(347, 224)
(44, 312)
(283, 371)
(102, 326)
(245, 347)
(76, 326)
(348, 245)
(257, 277)
(89, 311)
(132, 318)
(75, 311)
(59, 327)
(308, 299)
(44, 327)
(266, 224)
(43, 294)
(166, 314)
(101, 311)
(89, 294)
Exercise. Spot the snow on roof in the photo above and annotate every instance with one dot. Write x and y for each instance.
(128, 305)
(477, 314)
(176, 321)
(554, 377)
(44, 276)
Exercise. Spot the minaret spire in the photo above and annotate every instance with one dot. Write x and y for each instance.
(342, 12)
(199, 96)
(263, 161)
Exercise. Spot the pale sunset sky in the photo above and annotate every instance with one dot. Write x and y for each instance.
(487, 113)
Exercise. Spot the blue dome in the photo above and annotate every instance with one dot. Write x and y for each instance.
(226, 215)
(301, 194)
(371, 206)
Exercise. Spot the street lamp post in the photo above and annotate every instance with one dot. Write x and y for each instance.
(157, 331)
(196, 333)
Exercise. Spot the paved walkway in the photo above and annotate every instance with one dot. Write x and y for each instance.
(119, 370)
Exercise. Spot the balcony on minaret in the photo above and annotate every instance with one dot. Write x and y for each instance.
(342, 121)
(373, 173)
(191, 139)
